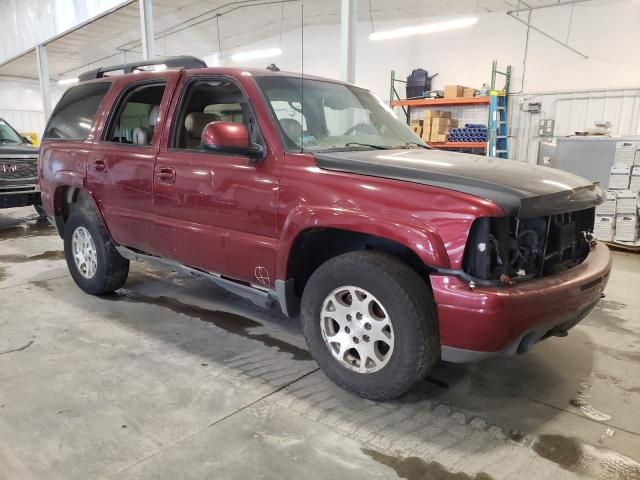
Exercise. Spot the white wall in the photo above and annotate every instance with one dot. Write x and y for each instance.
(607, 31)
(20, 104)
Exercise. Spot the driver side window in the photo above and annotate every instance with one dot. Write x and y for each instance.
(207, 101)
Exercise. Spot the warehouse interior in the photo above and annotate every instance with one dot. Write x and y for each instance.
(180, 373)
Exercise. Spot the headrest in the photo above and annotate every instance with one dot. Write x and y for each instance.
(153, 115)
(195, 122)
(139, 136)
(292, 128)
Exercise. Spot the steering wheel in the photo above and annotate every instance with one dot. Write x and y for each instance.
(361, 127)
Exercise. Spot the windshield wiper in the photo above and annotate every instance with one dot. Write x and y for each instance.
(408, 145)
(358, 144)
(7, 140)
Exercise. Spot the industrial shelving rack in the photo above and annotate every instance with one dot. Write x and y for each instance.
(497, 145)
(496, 102)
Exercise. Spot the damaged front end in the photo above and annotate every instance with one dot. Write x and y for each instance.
(544, 235)
(511, 249)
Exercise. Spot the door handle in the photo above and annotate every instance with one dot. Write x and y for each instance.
(100, 165)
(166, 175)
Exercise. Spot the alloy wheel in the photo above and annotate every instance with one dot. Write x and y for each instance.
(357, 329)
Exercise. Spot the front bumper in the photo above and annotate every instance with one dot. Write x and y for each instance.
(19, 197)
(506, 320)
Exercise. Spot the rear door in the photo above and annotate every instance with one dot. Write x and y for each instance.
(120, 166)
(216, 211)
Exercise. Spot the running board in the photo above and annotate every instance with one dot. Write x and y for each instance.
(261, 297)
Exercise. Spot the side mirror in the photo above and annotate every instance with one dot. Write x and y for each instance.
(229, 137)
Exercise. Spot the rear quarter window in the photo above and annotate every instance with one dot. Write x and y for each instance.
(75, 112)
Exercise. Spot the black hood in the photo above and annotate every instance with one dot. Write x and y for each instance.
(518, 188)
(7, 149)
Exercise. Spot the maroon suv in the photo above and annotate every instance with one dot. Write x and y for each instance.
(312, 193)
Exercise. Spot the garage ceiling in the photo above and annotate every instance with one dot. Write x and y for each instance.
(189, 27)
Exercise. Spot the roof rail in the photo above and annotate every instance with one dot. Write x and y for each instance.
(169, 62)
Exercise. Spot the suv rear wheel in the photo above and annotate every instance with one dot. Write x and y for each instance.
(370, 323)
(93, 261)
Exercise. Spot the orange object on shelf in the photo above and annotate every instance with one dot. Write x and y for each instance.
(433, 102)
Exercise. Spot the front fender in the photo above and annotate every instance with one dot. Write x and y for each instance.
(421, 238)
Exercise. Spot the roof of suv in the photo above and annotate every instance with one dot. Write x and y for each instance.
(192, 64)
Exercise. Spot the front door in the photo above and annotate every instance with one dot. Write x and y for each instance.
(120, 166)
(216, 211)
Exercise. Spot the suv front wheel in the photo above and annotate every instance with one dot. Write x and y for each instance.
(370, 323)
(93, 261)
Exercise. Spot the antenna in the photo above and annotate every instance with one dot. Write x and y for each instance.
(302, 77)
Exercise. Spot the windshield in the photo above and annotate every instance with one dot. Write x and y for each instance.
(333, 117)
(8, 134)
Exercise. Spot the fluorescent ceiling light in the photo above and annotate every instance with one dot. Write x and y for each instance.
(421, 29)
(266, 53)
(68, 81)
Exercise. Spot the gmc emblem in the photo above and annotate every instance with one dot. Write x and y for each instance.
(8, 168)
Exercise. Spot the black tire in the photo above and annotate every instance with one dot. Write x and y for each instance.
(40, 210)
(411, 309)
(112, 269)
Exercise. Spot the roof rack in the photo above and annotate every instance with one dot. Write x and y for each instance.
(169, 62)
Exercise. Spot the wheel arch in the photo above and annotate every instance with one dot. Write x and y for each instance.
(64, 197)
(303, 251)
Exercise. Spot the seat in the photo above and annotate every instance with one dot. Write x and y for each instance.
(154, 113)
(194, 124)
(292, 129)
(139, 136)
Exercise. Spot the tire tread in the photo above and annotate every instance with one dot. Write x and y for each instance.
(408, 288)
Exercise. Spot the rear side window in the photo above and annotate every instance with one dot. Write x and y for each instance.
(75, 112)
(136, 115)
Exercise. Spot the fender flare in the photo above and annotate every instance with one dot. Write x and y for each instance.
(72, 179)
(421, 238)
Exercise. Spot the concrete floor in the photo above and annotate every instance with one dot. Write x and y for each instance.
(172, 378)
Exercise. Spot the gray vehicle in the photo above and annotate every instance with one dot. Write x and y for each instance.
(18, 170)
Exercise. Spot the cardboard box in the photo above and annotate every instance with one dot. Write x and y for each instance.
(438, 137)
(634, 184)
(604, 227)
(441, 121)
(619, 177)
(417, 130)
(450, 122)
(469, 92)
(453, 91)
(627, 202)
(440, 128)
(430, 114)
(625, 153)
(609, 206)
(417, 123)
(626, 228)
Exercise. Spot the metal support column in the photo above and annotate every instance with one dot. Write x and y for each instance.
(43, 75)
(348, 23)
(146, 29)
